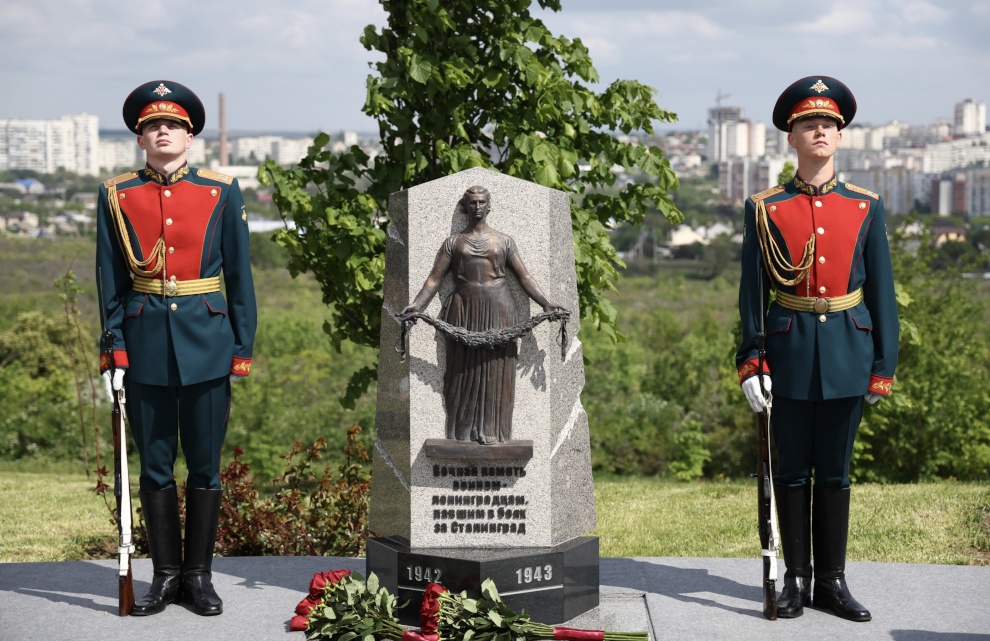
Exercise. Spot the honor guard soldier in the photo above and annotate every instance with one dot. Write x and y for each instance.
(831, 337)
(165, 234)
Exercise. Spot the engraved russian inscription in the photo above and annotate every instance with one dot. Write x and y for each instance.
(480, 500)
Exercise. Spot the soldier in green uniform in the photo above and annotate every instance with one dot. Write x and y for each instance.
(165, 234)
(831, 337)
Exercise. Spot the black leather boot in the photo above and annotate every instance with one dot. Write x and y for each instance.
(202, 514)
(161, 515)
(794, 516)
(830, 523)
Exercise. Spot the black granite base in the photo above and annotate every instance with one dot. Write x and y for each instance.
(553, 585)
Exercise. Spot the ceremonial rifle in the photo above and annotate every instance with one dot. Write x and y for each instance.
(121, 480)
(766, 514)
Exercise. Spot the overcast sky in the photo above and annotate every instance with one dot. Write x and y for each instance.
(298, 65)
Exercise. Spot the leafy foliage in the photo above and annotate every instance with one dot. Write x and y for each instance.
(934, 424)
(470, 83)
(786, 174)
(291, 393)
(488, 618)
(311, 513)
(666, 401)
(352, 608)
(39, 411)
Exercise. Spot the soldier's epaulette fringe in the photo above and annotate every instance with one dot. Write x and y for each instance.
(214, 175)
(122, 178)
(860, 190)
(766, 193)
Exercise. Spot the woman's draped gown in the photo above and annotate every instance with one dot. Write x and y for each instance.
(479, 383)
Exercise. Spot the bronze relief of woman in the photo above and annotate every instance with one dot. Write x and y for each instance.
(479, 384)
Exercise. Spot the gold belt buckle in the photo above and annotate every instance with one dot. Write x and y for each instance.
(171, 288)
(821, 305)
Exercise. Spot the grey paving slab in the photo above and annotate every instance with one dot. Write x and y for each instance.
(705, 599)
(680, 599)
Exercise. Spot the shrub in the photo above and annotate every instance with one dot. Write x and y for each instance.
(311, 512)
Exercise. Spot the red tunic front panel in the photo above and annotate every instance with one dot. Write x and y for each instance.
(181, 213)
(836, 222)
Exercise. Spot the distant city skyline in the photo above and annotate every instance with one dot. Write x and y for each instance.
(300, 67)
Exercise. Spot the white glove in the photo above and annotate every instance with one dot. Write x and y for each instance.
(872, 397)
(751, 388)
(115, 385)
(235, 377)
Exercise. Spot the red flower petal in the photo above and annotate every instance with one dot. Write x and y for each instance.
(306, 605)
(321, 579)
(298, 623)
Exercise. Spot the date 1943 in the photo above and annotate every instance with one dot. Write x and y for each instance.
(536, 574)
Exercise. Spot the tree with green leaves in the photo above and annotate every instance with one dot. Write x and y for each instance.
(786, 174)
(468, 83)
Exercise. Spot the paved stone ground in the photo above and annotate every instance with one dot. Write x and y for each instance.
(680, 599)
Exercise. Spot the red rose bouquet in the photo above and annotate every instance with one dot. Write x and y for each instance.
(316, 585)
(489, 619)
(342, 606)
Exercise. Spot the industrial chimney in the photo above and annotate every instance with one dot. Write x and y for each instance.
(224, 158)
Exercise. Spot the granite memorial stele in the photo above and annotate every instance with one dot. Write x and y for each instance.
(482, 468)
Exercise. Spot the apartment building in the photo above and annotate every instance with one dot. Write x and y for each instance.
(70, 143)
(970, 118)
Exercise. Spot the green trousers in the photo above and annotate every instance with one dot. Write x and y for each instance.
(814, 437)
(193, 416)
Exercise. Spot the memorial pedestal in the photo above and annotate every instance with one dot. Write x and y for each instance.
(456, 511)
(553, 585)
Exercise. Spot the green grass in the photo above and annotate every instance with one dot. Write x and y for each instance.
(51, 517)
(944, 523)
(55, 516)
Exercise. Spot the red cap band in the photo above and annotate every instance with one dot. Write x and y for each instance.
(815, 106)
(164, 109)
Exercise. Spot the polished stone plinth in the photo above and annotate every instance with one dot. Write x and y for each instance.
(553, 585)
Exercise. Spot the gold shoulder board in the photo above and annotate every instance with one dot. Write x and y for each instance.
(122, 178)
(766, 193)
(214, 175)
(860, 190)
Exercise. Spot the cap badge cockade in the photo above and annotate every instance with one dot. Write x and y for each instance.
(161, 89)
(819, 86)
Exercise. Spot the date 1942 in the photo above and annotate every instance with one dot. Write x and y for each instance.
(422, 574)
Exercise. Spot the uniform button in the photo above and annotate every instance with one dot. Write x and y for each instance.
(168, 193)
(121, 196)
(172, 279)
(175, 307)
(821, 319)
(821, 260)
(862, 205)
(213, 193)
(168, 221)
(818, 203)
(773, 207)
(821, 230)
(171, 250)
(821, 290)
